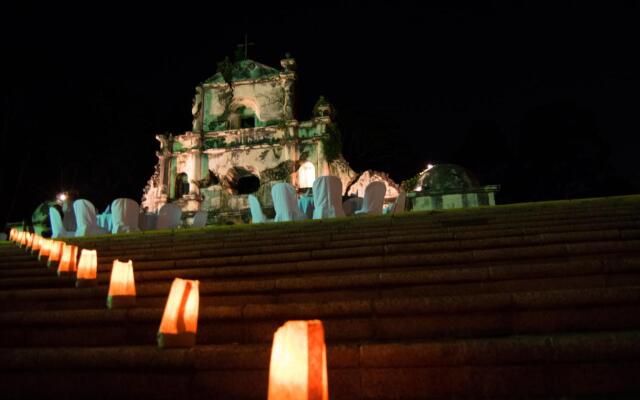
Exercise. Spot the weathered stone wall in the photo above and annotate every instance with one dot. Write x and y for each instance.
(265, 98)
(243, 129)
(358, 187)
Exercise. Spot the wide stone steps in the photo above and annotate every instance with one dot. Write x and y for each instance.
(381, 319)
(344, 235)
(525, 301)
(522, 366)
(417, 243)
(310, 240)
(346, 279)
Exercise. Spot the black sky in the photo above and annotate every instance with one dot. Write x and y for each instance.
(541, 98)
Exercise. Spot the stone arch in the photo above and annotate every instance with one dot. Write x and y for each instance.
(181, 185)
(244, 112)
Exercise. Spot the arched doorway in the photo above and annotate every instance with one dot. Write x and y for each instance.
(306, 175)
(241, 181)
(182, 185)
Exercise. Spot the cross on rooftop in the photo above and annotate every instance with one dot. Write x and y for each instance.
(246, 45)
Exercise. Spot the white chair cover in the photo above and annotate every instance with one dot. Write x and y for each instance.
(305, 204)
(199, 220)
(373, 198)
(147, 221)
(57, 226)
(399, 204)
(351, 205)
(69, 217)
(285, 203)
(257, 216)
(327, 197)
(104, 219)
(124, 215)
(169, 216)
(86, 219)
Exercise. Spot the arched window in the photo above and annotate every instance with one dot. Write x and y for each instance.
(182, 185)
(306, 175)
(243, 114)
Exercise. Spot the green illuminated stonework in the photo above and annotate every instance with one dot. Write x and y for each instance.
(244, 131)
(245, 70)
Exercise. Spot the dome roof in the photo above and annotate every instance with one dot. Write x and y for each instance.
(446, 178)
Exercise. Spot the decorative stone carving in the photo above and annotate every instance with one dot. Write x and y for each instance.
(196, 110)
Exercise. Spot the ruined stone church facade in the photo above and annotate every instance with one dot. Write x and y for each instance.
(245, 138)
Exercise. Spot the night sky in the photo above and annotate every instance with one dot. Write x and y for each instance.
(542, 99)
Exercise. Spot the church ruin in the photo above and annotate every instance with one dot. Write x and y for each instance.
(244, 139)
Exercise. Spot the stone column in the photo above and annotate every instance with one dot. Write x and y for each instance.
(162, 175)
(195, 166)
(288, 99)
(197, 153)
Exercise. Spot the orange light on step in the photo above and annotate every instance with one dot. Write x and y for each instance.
(122, 287)
(69, 261)
(180, 318)
(37, 241)
(87, 268)
(30, 238)
(45, 248)
(298, 368)
(55, 252)
(24, 238)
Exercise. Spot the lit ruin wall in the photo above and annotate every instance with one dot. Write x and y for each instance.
(244, 131)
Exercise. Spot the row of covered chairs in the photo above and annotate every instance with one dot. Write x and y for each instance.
(122, 215)
(327, 201)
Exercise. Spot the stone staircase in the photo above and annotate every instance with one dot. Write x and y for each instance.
(537, 300)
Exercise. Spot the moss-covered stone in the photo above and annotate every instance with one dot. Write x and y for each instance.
(332, 143)
(280, 172)
(241, 70)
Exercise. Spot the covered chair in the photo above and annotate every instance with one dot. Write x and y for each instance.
(199, 219)
(68, 216)
(57, 226)
(398, 205)
(352, 204)
(285, 202)
(147, 221)
(86, 219)
(327, 197)
(124, 216)
(104, 219)
(168, 216)
(257, 216)
(373, 199)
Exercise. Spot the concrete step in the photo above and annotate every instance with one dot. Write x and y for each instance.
(377, 319)
(537, 300)
(306, 232)
(625, 229)
(541, 366)
(214, 247)
(533, 245)
(472, 218)
(223, 286)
